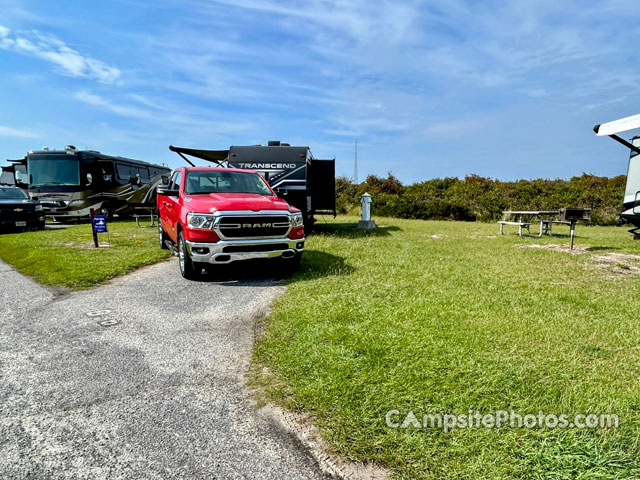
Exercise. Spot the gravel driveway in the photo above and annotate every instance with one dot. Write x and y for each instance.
(141, 378)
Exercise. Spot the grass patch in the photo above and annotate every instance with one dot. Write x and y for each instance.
(444, 317)
(67, 257)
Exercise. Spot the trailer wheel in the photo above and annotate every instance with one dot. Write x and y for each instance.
(186, 264)
(162, 237)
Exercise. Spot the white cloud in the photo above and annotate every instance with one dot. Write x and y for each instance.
(68, 61)
(453, 129)
(103, 103)
(164, 117)
(15, 132)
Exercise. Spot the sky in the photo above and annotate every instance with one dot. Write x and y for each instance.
(504, 89)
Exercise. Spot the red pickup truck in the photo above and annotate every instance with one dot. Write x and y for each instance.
(221, 215)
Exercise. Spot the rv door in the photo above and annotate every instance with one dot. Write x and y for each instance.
(632, 189)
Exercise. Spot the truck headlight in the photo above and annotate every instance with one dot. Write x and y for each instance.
(39, 208)
(198, 220)
(75, 203)
(296, 220)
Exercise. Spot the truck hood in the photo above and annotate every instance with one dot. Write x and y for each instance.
(234, 201)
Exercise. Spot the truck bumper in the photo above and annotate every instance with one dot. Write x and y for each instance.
(227, 251)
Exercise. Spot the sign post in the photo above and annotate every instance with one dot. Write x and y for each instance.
(98, 225)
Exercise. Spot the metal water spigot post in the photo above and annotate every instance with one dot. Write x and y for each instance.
(366, 223)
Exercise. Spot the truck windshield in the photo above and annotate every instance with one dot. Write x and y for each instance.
(53, 170)
(13, 194)
(203, 182)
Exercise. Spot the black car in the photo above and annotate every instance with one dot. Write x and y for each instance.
(18, 211)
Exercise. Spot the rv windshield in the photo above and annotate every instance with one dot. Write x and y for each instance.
(53, 170)
(203, 182)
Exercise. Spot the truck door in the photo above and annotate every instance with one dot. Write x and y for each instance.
(171, 207)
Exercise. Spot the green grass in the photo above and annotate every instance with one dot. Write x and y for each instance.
(444, 317)
(66, 257)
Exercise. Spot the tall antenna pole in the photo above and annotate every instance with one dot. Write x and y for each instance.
(355, 165)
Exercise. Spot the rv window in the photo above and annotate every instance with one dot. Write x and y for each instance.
(144, 174)
(124, 171)
(107, 173)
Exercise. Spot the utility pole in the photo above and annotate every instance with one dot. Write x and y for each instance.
(355, 165)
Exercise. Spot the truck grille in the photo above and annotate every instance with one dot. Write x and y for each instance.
(24, 212)
(253, 226)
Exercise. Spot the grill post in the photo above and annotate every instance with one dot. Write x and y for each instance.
(571, 216)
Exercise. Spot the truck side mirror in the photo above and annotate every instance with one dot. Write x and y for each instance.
(165, 180)
(89, 179)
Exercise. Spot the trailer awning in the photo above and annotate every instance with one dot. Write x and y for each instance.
(617, 126)
(215, 156)
(613, 128)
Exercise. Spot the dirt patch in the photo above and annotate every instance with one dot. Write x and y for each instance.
(615, 262)
(90, 245)
(619, 263)
(434, 236)
(577, 249)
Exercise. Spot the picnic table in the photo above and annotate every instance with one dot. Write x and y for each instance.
(524, 219)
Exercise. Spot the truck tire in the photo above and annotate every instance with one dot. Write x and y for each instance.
(106, 211)
(162, 237)
(187, 269)
(292, 264)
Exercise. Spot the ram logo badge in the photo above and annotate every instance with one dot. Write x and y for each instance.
(257, 225)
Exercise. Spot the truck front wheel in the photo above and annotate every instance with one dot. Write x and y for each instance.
(292, 264)
(186, 264)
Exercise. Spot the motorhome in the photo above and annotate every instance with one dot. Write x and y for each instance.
(70, 182)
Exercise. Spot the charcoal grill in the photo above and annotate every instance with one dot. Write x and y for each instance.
(573, 215)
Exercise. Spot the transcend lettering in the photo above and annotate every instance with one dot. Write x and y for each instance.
(261, 166)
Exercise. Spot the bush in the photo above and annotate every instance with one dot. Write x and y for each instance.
(482, 199)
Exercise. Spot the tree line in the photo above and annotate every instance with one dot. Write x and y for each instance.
(476, 198)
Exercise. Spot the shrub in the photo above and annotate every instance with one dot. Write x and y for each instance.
(482, 199)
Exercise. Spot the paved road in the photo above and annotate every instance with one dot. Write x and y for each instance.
(160, 394)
